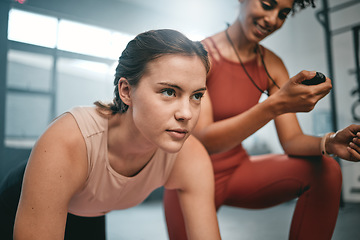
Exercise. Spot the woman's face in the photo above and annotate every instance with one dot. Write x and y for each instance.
(166, 103)
(260, 18)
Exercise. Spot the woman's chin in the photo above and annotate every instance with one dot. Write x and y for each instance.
(174, 147)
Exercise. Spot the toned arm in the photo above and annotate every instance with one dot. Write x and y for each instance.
(193, 178)
(57, 168)
(291, 97)
(291, 137)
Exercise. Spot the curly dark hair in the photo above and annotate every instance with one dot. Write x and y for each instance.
(301, 4)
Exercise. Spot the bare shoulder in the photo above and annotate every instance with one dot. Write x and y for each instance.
(275, 67)
(212, 45)
(56, 169)
(64, 126)
(192, 163)
(63, 137)
(59, 155)
(271, 57)
(193, 151)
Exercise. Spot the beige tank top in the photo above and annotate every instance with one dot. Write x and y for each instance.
(105, 189)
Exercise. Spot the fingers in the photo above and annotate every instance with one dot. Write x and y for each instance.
(303, 75)
(354, 149)
(299, 78)
(323, 88)
(328, 83)
(355, 129)
(300, 97)
(320, 89)
(354, 155)
(355, 144)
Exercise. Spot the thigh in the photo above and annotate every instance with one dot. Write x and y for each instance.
(264, 181)
(89, 228)
(173, 216)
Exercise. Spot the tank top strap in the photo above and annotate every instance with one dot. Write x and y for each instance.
(262, 50)
(213, 44)
(213, 50)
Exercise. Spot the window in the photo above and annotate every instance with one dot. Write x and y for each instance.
(83, 82)
(53, 65)
(32, 28)
(29, 71)
(66, 35)
(90, 40)
(82, 38)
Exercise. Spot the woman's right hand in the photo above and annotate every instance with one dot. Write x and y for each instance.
(294, 96)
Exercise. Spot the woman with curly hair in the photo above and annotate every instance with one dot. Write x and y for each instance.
(241, 71)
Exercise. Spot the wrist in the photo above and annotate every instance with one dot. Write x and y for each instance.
(275, 105)
(324, 144)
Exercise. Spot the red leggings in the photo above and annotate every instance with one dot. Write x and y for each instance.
(264, 181)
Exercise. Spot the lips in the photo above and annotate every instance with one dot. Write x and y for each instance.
(177, 133)
(261, 30)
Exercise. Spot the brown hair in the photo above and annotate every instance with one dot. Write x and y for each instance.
(144, 48)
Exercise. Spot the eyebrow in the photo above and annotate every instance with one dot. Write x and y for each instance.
(276, 3)
(178, 87)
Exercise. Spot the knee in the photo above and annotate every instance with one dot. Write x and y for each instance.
(332, 171)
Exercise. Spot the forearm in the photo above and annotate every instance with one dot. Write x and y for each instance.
(195, 190)
(28, 227)
(223, 135)
(199, 215)
(303, 145)
(292, 138)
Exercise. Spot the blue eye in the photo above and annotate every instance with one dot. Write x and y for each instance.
(197, 96)
(168, 92)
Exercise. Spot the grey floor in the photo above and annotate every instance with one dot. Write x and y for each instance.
(146, 221)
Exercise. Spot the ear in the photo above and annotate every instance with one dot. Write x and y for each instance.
(124, 91)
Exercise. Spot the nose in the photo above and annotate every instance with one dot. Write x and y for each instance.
(183, 112)
(271, 19)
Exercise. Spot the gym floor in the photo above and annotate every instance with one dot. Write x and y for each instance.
(146, 221)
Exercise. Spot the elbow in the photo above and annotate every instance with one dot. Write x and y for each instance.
(288, 150)
(210, 148)
(212, 144)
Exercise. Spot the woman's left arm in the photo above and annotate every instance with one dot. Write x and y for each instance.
(345, 143)
(192, 177)
(290, 135)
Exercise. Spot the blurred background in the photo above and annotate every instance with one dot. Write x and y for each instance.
(58, 54)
